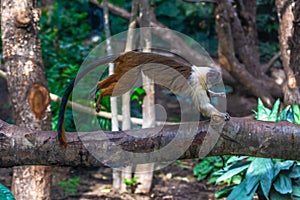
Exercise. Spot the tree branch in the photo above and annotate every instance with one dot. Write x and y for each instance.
(22, 146)
(257, 87)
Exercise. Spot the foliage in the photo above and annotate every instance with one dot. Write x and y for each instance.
(289, 113)
(196, 20)
(65, 40)
(267, 28)
(269, 178)
(131, 184)
(70, 186)
(63, 29)
(5, 193)
(132, 181)
(207, 166)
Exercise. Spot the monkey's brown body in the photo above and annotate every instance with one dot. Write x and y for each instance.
(128, 67)
(179, 77)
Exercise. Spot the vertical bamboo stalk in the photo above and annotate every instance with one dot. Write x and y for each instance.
(126, 123)
(145, 171)
(117, 181)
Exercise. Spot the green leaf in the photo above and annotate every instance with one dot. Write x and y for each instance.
(262, 112)
(295, 172)
(296, 114)
(274, 112)
(231, 173)
(237, 179)
(240, 192)
(282, 166)
(139, 91)
(260, 170)
(285, 113)
(224, 192)
(283, 184)
(5, 193)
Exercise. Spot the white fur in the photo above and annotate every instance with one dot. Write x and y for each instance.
(199, 88)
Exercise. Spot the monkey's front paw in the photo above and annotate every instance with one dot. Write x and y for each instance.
(98, 108)
(226, 117)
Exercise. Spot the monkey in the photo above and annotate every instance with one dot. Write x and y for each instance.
(132, 63)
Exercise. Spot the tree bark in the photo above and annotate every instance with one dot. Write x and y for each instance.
(18, 145)
(27, 87)
(230, 33)
(289, 47)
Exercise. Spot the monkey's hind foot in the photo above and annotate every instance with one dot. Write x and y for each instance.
(226, 117)
(221, 116)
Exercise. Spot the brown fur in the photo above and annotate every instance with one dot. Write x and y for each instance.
(130, 63)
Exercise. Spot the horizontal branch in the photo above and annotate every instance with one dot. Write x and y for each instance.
(22, 146)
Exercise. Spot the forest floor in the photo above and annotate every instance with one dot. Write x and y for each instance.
(174, 182)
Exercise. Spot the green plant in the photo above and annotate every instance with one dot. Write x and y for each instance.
(131, 184)
(70, 186)
(269, 178)
(5, 193)
(207, 166)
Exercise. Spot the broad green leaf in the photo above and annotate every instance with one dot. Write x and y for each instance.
(283, 184)
(231, 173)
(5, 193)
(285, 113)
(278, 166)
(240, 192)
(262, 112)
(237, 179)
(260, 170)
(290, 117)
(295, 172)
(296, 114)
(274, 112)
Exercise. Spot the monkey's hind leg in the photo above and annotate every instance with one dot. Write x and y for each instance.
(210, 111)
(107, 91)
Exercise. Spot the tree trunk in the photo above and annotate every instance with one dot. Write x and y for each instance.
(289, 47)
(27, 87)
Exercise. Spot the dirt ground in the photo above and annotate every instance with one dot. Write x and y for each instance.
(171, 183)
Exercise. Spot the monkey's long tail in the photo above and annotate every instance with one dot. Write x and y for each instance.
(64, 101)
